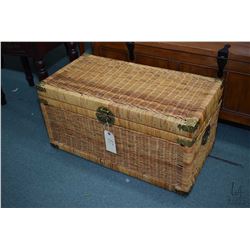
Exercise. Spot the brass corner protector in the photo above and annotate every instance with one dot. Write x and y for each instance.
(190, 125)
(183, 193)
(186, 143)
(43, 101)
(54, 145)
(40, 87)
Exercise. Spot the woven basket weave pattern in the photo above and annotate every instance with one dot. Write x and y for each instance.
(136, 150)
(149, 158)
(150, 105)
(138, 86)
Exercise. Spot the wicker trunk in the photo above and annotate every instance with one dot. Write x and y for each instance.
(163, 122)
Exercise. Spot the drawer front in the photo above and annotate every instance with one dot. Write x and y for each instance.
(111, 50)
(197, 69)
(204, 58)
(236, 99)
(152, 61)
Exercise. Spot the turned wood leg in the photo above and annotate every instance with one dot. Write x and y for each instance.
(2, 62)
(41, 70)
(3, 98)
(131, 47)
(27, 70)
(81, 47)
(72, 50)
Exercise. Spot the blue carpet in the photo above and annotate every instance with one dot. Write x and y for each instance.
(34, 174)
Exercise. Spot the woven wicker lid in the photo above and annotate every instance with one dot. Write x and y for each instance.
(165, 99)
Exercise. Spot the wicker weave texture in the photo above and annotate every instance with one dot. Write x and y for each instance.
(161, 117)
(147, 130)
(150, 96)
(163, 163)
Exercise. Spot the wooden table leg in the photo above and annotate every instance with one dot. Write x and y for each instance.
(3, 98)
(27, 70)
(81, 47)
(41, 69)
(71, 48)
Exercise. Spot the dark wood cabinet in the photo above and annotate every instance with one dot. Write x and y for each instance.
(198, 58)
(37, 51)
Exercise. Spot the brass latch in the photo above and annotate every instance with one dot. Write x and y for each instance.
(105, 116)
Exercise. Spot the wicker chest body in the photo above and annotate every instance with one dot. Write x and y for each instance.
(163, 122)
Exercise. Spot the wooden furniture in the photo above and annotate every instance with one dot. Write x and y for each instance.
(194, 57)
(81, 47)
(154, 124)
(3, 98)
(37, 51)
